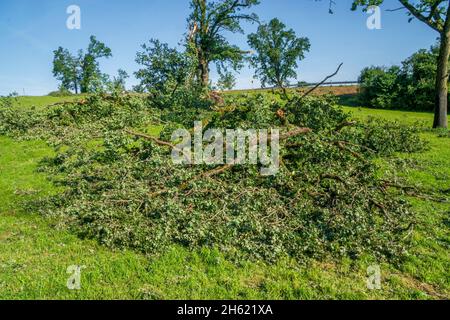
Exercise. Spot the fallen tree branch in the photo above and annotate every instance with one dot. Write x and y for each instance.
(226, 167)
(344, 124)
(414, 192)
(64, 103)
(155, 140)
(342, 145)
(159, 142)
(322, 82)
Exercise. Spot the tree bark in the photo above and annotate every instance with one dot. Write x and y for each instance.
(442, 77)
(203, 72)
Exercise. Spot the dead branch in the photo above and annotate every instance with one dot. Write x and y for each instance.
(64, 103)
(322, 82)
(155, 140)
(414, 192)
(226, 167)
(358, 146)
(159, 142)
(343, 147)
(344, 124)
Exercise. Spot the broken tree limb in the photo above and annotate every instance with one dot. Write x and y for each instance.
(155, 140)
(322, 82)
(213, 172)
(344, 124)
(158, 142)
(210, 173)
(415, 192)
(64, 103)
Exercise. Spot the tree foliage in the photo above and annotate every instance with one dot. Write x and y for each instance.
(435, 14)
(208, 22)
(409, 86)
(278, 51)
(125, 191)
(164, 69)
(66, 69)
(227, 81)
(167, 74)
(80, 72)
(90, 69)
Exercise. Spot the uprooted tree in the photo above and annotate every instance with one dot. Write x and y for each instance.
(207, 24)
(435, 14)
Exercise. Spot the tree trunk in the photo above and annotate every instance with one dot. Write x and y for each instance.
(203, 72)
(441, 94)
(442, 76)
(75, 79)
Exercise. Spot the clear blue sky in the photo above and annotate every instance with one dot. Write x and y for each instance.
(30, 30)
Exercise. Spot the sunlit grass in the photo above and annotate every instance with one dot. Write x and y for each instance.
(35, 253)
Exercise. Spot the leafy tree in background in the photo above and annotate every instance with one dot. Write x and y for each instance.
(164, 70)
(278, 51)
(378, 87)
(435, 14)
(90, 69)
(80, 72)
(119, 80)
(208, 22)
(66, 68)
(418, 78)
(409, 86)
(227, 81)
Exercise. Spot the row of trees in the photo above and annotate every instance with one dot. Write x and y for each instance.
(277, 51)
(81, 72)
(409, 86)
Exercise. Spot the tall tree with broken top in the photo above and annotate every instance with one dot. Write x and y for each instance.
(207, 24)
(435, 14)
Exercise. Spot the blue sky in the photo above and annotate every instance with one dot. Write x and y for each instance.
(30, 30)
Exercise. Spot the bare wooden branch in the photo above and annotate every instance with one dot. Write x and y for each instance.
(322, 82)
(344, 124)
(436, 25)
(226, 167)
(156, 140)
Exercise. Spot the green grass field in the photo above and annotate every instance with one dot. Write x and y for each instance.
(44, 101)
(35, 253)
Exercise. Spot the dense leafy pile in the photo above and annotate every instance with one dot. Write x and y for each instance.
(125, 191)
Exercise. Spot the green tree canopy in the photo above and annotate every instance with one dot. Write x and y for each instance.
(278, 51)
(164, 69)
(80, 72)
(66, 69)
(208, 22)
(90, 66)
(409, 86)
